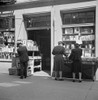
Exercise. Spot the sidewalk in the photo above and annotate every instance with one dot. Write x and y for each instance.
(45, 88)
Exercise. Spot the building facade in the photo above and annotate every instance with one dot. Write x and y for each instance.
(52, 24)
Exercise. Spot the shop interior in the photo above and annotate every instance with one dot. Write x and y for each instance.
(42, 37)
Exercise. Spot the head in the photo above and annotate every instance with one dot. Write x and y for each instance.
(77, 45)
(61, 43)
(19, 43)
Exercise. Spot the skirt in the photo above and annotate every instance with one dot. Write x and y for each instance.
(76, 66)
(58, 63)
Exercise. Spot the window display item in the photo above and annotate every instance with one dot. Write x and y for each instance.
(76, 30)
(86, 30)
(7, 47)
(72, 46)
(79, 41)
(69, 31)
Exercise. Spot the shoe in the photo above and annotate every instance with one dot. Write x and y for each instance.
(73, 80)
(61, 79)
(25, 76)
(80, 81)
(21, 77)
(56, 79)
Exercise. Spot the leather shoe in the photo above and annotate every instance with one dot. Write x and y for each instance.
(80, 81)
(56, 79)
(21, 77)
(61, 79)
(25, 76)
(73, 80)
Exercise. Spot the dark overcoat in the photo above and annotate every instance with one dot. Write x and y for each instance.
(76, 58)
(23, 54)
(58, 53)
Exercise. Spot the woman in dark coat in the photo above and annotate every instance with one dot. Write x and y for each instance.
(58, 53)
(76, 58)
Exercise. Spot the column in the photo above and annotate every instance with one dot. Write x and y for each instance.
(96, 36)
(56, 30)
(52, 37)
(58, 25)
(20, 31)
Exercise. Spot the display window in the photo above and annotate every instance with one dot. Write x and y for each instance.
(79, 26)
(37, 20)
(7, 37)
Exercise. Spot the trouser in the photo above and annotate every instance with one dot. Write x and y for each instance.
(23, 66)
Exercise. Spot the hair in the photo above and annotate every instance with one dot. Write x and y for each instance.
(18, 44)
(60, 42)
(77, 45)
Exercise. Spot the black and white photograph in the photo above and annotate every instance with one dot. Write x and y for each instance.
(48, 50)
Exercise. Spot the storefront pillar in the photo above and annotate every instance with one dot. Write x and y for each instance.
(20, 31)
(58, 25)
(56, 32)
(52, 37)
(96, 37)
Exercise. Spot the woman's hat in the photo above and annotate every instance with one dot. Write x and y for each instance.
(61, 42)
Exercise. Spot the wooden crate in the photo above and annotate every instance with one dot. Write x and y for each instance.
(13, 71)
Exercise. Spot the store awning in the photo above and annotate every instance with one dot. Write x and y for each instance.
(20, 4)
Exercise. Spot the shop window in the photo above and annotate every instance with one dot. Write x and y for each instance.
(78, 17)
(7, 37)
(7, 22)
(32, 21)
(79, 26)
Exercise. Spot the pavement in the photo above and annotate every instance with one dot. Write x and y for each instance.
(45, 88)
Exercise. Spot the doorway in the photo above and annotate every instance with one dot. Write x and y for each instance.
(43, 40)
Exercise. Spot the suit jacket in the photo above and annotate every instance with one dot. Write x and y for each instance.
(76, 54)
(23, 54)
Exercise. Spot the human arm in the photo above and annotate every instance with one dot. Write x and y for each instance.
(71, 55)
(81, 52)
(53, 52)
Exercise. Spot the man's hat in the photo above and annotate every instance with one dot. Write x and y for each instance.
(19, 42)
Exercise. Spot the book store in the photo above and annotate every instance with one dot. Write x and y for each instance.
(41, 25)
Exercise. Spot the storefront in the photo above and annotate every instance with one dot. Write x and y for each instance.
(39, 30)
(48, 23)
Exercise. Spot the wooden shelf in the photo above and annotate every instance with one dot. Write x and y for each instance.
(37, 28)
(69, 41)
(88, 48)
(70, 34)
(78, 25)
(6, 30)
(75, 41)
(81, 48)
(77, 34)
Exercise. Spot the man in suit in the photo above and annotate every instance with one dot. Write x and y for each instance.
(23, 57)
(75, 56)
